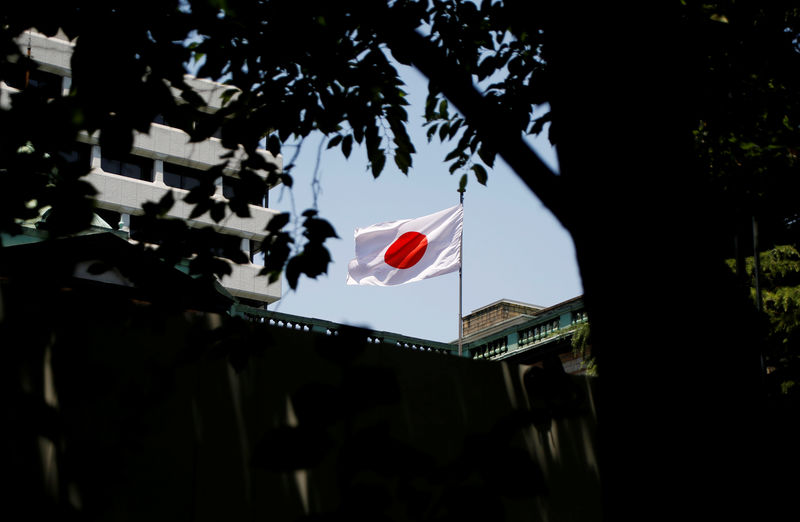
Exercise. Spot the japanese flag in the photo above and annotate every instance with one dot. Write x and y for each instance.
(407, 250)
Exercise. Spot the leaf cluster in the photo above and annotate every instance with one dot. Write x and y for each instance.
(282, 83)
(208, 251)
(292, 68)
(582, 347)
(779, 286)
(502, 55)
(747, 127)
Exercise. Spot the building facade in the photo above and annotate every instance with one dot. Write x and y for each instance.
(165, 160)
(162, 160)
(505, 330)
(525, 334)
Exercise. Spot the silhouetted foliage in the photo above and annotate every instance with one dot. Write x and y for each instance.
(778, 289)
(674, 126)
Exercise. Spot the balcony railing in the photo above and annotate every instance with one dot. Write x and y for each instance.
(306, 324)
(499, 346)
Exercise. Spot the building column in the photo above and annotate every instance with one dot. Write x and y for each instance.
(158, 172)
(96, 157)
(244, 245)
(125, 222)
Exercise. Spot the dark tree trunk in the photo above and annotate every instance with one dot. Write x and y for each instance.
(675, 340)
(680, 412)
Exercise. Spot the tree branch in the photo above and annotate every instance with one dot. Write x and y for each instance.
(458, 87)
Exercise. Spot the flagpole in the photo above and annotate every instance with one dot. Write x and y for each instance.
(460, 264)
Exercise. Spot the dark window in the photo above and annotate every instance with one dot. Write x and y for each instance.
(47, 83)
(225, 246)
(131, 166)
(77, 158)
(229, 190)
(227, 187)
(181, 177)
(255, 251)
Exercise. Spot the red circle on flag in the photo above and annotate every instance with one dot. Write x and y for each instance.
(407, 250)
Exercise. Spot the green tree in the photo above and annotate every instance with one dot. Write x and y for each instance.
(779, 290)
(582, 347)
(671, 123)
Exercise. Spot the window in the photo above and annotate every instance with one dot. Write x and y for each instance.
(47, 83)
(579, 317)
(223, 245)
(256, 255)
(160, 120)
(136, 167)
(181, 177)
(78, 158)
(229, 186)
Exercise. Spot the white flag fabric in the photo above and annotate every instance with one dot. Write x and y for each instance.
(407, 250)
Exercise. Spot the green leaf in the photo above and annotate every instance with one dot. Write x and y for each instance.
(347, 145)
(227, 95)
(443, 130)
(358, 133)
(431, 131)
(293, 271)
(201, 192)
(377, 163)
(218, 211)
(454, 128)
(277, 222)
(200, 208)
(403, 161)
(487, 156)
(480, 173)
(318, 230)
(160, 208)
(430, 107)
(443, 109)
(239, 206)
(334, 141)
(452, 155)
(274, 145)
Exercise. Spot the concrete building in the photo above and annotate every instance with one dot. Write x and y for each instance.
(496, 313)
(164, 159)
(524, 333)
(160, 161)
(506, 330)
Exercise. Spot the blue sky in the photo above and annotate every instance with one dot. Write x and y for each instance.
(513, 246)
